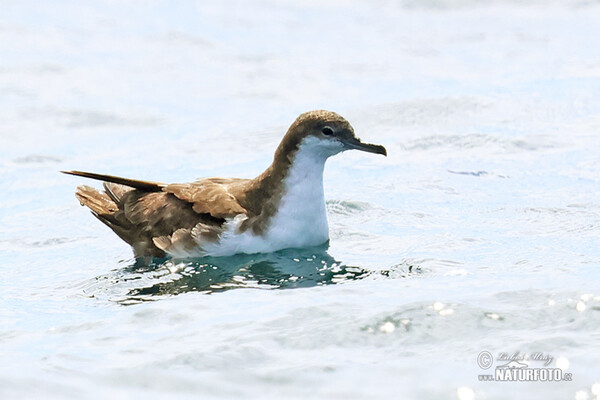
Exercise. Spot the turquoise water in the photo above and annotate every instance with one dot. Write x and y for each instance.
(479, 232)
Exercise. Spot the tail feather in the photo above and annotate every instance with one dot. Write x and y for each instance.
(134, 183)
(105, 209)
(99, 203)
(115, 191)
(139, 216)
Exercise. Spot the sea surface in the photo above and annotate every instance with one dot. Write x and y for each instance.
(480, 232)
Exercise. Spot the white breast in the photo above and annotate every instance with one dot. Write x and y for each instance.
(301, 219)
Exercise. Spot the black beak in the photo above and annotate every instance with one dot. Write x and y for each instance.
(355, 144)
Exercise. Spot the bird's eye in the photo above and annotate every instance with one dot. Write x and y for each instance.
(327, 131)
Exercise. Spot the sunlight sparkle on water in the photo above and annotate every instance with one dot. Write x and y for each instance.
(580, 306)
(493, 316)
(465, 393)
(446, 311)
(388, 327)
(582, 395)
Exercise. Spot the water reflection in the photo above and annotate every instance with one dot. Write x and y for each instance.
(293, 268)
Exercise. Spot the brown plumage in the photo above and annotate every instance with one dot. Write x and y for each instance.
(154, 222)
(157, 219)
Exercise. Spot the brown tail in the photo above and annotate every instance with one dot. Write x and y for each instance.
(105, 206)
(105, 209)
(98, 202)
(141, 185)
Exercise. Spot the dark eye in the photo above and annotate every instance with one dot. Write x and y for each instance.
(327, 131)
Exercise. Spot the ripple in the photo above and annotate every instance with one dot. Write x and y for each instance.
(344, 207)
(282, 270)
(80, 118)
(426, 111)
(479, 140)
(468, 141)
(425, 323)
(472, 173)
(558, 220)
(49, 242)
(37, 159)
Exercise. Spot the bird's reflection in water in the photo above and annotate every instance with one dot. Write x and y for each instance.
(285, 269)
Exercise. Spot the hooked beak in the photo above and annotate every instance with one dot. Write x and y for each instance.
(355, 144)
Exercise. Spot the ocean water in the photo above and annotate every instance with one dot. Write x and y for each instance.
(479, 232)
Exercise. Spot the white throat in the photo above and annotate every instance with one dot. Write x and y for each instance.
(301, 219)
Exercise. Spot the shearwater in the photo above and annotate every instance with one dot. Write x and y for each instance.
(284, 207)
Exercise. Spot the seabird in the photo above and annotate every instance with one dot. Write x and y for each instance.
(284, 207)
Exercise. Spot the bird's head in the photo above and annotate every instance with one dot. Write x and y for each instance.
(325, 133)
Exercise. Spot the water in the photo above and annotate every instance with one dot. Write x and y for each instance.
(478, 233)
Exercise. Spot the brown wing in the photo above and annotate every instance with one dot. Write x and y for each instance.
(214, 196)
(155, 218)
(164, 222)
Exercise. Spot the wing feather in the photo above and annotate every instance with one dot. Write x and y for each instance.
(210, 196)
(155, 218)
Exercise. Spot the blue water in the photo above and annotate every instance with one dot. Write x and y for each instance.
(479, 232)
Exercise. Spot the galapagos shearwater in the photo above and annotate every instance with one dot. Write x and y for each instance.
(284, 207)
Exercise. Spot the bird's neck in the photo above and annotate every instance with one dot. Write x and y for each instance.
(295, 179)
(304, 174)
(299, 219)
(300, 167)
